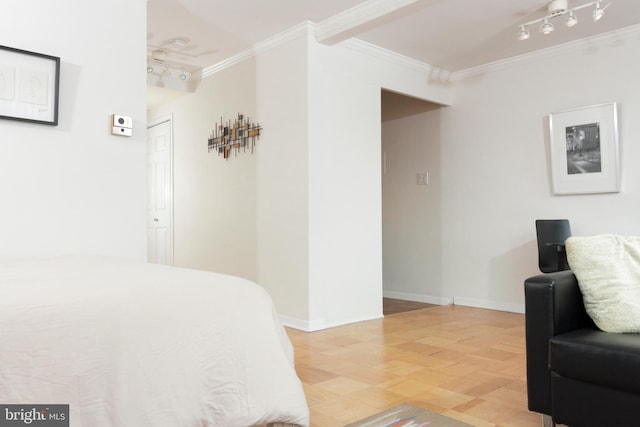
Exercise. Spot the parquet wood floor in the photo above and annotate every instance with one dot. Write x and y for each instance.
(395, 306)
(465, 363)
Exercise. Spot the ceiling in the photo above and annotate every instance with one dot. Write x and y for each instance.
(449, 34)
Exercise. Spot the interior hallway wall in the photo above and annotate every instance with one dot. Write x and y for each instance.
(411, 219)
(214, 198)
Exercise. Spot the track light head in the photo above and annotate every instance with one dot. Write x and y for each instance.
(546, 27)
(523, 34)
(598, 12)
(571, 20)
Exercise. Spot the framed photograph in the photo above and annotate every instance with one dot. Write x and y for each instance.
(584, 150)
(29, 86)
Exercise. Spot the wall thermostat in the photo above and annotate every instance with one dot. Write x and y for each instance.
(121, 125)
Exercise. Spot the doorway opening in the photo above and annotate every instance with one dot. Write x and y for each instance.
(411, 203)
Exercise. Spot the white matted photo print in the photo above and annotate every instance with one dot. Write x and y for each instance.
(29, 86)
(584, 150)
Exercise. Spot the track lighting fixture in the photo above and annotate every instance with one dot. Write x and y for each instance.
(556, 8)
(167, 71)
(157, 65)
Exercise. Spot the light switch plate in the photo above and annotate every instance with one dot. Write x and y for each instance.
(423, 178)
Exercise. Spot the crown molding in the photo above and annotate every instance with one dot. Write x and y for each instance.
(309, 29)
(534, 56)
(329, 31)
(332, 29)
(394, 58)
(304, 29)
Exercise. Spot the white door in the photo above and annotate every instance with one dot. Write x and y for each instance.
(160, 192)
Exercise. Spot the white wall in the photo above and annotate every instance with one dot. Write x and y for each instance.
(282, 179)
(247, 215)
(317, 170)
(496, 167)
(342, 158)
(411, 213)
(345, 270)
(75, 188)
(317, 174)
(214, 198)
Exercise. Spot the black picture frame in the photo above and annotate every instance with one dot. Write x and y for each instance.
(29, 86)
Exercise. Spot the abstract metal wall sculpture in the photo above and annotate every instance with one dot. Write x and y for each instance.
(239, 135)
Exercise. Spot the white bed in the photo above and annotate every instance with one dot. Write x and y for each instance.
(134, 344)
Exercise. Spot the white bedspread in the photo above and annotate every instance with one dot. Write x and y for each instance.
(132, 344)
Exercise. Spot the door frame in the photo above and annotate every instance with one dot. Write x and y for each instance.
(152, 123)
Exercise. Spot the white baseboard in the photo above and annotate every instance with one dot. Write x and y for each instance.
(295, 323)
(490, 305)
(320, 324)
(417, 297)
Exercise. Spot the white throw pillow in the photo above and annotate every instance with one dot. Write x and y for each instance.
(608, 271)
